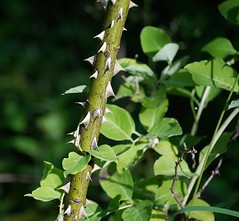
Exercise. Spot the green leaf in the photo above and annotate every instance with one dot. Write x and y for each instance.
(230, 10)
(150, 116)
(75, 163)
(214, 73)
(75, 90)
(209, 209)
(199, 215)
(233, 104)
(153, 39)
(219, 48)
(125, 90)
(165, 165)
(105, 153)
(117, 184)
(93, 211)
(119, 125)
(131, 156)
(45, 194)
(141, 211)
(166, 148)
(166, 53)
(52, 177)
(180, 79)
(164, 195)
(157, 215)
(136, 68)
(166, 127)
(219, 148)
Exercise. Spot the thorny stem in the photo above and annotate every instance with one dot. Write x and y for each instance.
(104, 64)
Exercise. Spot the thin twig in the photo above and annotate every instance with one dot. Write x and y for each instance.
(214, 172)
(176, 176)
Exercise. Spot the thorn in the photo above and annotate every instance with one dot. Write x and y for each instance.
(112, 24)
(86, 120)
(117, 68)
(82, 212)
(68, 211)
(103, 2)
(82, 104)
(132, 4)
(113, 1)
(107, 64)
(98, 112)
(103, 47)
(120, 14)
(107, 110)
(95, 168)
(104, 120)
(124, 29)
(94, 144)
(91, 60)
(95, 75)
(109, 90)
(71, 142)
(100, 36)
(71, 133)
(88, 177)
(66, 187)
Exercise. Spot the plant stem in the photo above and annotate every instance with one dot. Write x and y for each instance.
(200, 109)
(104, 64)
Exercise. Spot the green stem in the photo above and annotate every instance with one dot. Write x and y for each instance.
(217, 133)
(104, 64)
(200, 109)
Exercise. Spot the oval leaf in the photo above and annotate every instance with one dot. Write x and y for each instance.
(230, 10)
(119, 125)
(139, 212)
(117, 184)
(166, 127)
(75, 163)
(167, 53)
(75, 90)
(153, 39)
(214, 73)
(105, 153)
(219, 48)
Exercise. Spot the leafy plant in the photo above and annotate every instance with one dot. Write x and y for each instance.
(171, 190)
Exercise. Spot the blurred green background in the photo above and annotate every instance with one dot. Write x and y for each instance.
(42, 47)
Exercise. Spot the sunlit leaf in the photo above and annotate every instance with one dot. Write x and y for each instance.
(153, 39)
(219, 48)
(141, 211)
(166, 148)
(45, 194)
(214, 73)
(200, 215)
(75, 163)
(165, 165)
(117, 184)
(75, 90)
(166, 53)
(119, 125)
(166, 127)
(105, 153)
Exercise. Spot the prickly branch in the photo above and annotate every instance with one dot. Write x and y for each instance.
(105, 66)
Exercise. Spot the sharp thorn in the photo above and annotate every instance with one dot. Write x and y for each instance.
(117, 68)
(68, 211)
(66, 187)
(100, 36)
(88, 177)
(86, 120)
(124, 29)
(82, 212)
(120, 14)
(132, 4)
(107, 110)
(91, 60)
(103, 47)
(113, 1)
(104, 120)
(107, 64)
(95, 168)
(94, 144)
(95, 75)
(112, 24)
(109, 90)
(81, 103)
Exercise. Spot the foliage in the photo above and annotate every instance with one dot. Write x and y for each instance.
(140, 147)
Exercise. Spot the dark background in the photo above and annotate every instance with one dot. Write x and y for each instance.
(42, 47)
